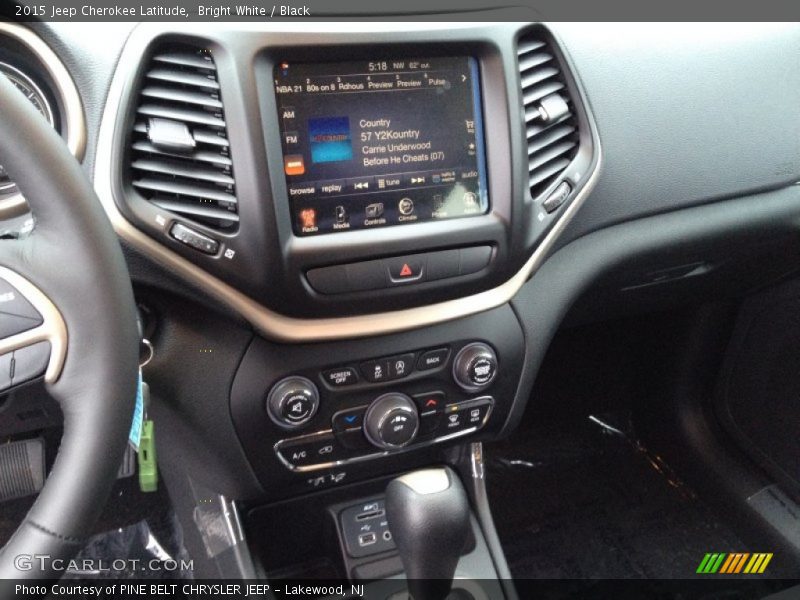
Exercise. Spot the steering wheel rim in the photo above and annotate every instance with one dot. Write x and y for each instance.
(72, 259)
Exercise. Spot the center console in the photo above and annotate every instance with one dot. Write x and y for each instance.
(368, 202)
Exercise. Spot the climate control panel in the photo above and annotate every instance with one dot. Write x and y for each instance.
(392, 420)
(327, 414)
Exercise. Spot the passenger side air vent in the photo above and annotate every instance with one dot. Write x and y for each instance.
(550, 120)
(180, 156)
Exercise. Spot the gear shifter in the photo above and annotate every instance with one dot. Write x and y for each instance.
(428, 514)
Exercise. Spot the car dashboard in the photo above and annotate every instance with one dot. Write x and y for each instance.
(352, 247)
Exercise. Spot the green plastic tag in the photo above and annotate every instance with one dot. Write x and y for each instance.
(148, 469)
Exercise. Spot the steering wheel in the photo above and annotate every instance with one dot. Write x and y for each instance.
(70, 269)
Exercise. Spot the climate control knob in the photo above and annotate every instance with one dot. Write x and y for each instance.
(475, 367)
(292, 402)
(391, 421)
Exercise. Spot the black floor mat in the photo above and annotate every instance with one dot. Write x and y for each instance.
(572, 500)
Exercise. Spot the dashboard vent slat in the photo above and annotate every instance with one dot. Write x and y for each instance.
(188, 171)
(550, 121)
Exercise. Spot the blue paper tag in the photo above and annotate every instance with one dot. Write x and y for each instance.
(135, 436)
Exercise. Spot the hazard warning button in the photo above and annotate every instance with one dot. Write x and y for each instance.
(406, 268)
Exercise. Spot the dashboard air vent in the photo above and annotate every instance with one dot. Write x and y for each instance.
(550, 120)
(180, 156)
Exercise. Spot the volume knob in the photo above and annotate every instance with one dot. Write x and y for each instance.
(292, 402)
(475, 367)
(391, 421)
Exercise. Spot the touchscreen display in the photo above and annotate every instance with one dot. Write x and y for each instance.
(381, 143)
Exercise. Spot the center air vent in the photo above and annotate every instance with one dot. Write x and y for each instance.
(180, 156)
(550, 120)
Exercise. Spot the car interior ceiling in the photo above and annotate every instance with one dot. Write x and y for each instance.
(443, 308)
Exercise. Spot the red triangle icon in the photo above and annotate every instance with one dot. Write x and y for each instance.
(405, 271)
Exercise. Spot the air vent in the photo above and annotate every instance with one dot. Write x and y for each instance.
(550, 120)
(180, 156)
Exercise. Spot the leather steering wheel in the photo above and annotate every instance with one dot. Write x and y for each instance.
(71, 269)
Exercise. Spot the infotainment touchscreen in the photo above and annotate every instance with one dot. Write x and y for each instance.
(381, 143)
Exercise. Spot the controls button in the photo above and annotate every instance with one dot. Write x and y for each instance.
(329, 280)
(475, 366)
(194, 239)
(313, 450)
(14, 303)
(433, 359)
(430, 402)
(557, 197)
(442, 265)
(474, 259)
(400, 366)
(406, 268)
(292, 402)
(29, 362)
(341, 376)
(351, 418)
(5, 371)
(375, 371)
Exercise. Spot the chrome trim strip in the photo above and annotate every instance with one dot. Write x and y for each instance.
(357, 459)
(74, 123)
(271, 324)
(52, 329)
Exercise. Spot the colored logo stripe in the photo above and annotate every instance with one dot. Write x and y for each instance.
(758, 563)
(723, 563)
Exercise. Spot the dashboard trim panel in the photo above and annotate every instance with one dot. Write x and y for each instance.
(270, 323)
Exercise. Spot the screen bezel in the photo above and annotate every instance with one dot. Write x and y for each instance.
(476, 95)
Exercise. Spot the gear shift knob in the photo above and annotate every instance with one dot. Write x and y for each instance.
(428, 514)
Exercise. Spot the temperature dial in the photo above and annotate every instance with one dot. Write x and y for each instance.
(391, 421)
